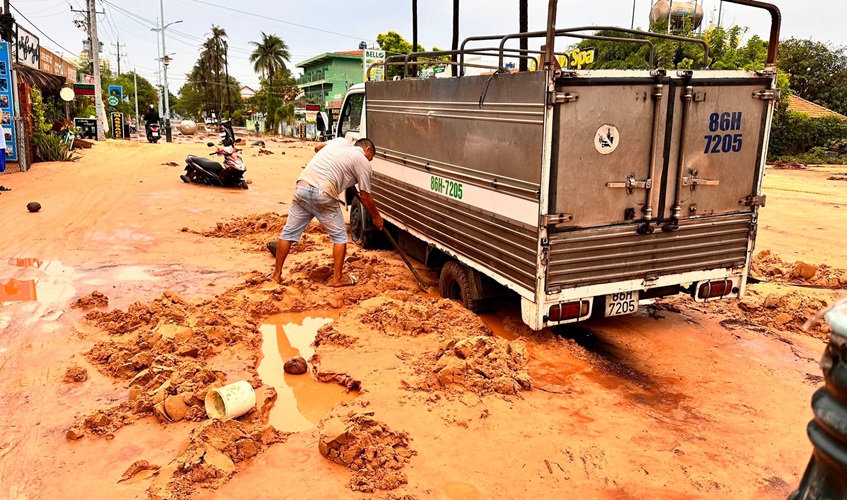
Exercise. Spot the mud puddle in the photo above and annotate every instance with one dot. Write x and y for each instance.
(52, 284)
(302, 401)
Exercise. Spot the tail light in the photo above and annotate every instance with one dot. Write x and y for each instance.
(712, 289)
(568, 310)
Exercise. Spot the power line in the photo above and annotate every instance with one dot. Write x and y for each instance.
(38, 30)
(282, 21)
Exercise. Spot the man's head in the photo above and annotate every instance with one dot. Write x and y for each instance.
(368, 147)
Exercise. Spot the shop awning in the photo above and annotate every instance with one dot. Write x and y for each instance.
(47, 83)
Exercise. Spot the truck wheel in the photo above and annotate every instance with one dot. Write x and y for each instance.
(362, 229)
(459, 282)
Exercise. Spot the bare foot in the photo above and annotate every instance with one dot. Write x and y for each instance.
(346, 280)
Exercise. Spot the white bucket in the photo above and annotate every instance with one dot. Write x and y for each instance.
(230, 401)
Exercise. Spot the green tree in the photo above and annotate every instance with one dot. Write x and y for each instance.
(269, 56)
(394, 44)
(215, 50)
(816, 71)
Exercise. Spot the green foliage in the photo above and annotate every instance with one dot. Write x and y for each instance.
(394, 44)
(38, 113)
(237, 117)
(817, 71)
(50, 147)
(147, 93)
(726, 51)
(795, 134)
(269, 56)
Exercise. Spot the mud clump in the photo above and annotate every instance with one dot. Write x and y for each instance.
(402, 313)
(75, 374)
(162, 350)
(367, 447)
(92, 301)
(210, 459)
(789, 165)
(296, 366)
(483, 365)
(768, 265)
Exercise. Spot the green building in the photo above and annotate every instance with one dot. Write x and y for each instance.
(326, 77)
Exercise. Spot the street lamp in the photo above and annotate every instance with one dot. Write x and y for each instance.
(165, 59)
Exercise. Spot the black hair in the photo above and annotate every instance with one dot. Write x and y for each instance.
(364, 143)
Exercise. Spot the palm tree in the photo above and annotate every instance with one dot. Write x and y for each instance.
(455, 45)
(215, 53)
(270, 56)
(524, 22)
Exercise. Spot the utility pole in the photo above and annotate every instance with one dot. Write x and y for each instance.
(159, 73)
(165, 61)
(135, 87)
(95, 62)
(118, 45)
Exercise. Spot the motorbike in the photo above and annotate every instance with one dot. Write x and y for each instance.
(200, 170)
(153, 133)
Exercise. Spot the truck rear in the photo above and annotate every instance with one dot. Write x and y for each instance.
(585, 192)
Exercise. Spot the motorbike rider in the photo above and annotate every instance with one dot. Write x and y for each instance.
(151, 116)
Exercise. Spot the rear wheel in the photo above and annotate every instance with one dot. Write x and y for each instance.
(362, 229)
(185, 179)
(459, 282)
(243, 184)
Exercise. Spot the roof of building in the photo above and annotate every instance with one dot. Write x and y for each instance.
(800, 105)
(245, 87)
(349, 54)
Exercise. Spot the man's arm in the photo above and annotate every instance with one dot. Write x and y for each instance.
(368, 202)
(320, 146)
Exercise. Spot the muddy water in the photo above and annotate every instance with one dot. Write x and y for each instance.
(301, 400)
(51, 285)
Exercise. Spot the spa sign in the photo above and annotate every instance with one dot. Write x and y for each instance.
(27, 49)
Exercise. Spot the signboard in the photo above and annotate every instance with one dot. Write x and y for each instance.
(84, 89)
(572, 59)
(83, 78)
(312, 112)
(113, 101)
(7, 104)
(117, 91)
(372, 56)
(27, 49)
(87, 127)
(117, 125)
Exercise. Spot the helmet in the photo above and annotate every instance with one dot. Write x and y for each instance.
(151, 106)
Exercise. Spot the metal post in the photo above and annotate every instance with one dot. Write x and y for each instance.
(159, 73)
(632, 24)
(95, 61)
(670, 15)
(165, 76)
(135, 79)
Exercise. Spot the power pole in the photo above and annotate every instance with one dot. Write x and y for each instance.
(118, 45)
(135, 87)
(95, 62)
(165, 76)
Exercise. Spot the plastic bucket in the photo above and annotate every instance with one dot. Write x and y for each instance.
(230, 401)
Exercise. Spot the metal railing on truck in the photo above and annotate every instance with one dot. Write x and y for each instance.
(551, 33)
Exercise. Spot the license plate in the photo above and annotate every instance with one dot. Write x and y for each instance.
(155, 134)
(621, 303)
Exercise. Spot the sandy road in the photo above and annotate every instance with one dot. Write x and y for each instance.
(668, 404)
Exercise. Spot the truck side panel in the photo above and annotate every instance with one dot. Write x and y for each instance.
(458, 164)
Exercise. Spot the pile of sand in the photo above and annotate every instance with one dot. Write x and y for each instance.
(777, 311)
(402, 313)
(75, 374)
(769, 266)
(210, 457)
(789, 165)
(483, 365)
(161, 349)
(94, 300)
(369, 448)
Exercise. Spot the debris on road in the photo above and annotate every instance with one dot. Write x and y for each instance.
(93, 300)
(33, 206)
(296, 366)
(367, 447)
(75, 374)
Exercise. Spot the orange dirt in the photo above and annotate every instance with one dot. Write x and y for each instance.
(150, 292)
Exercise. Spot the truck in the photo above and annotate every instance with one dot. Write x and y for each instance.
(585, 192)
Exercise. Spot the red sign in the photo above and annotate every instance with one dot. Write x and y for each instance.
(84, 89)
(313, 107)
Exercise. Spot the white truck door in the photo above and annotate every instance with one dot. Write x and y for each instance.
(351, 124)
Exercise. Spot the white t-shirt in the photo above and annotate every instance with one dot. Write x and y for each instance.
(337, 166)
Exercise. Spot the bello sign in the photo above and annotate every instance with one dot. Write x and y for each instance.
(27, 49)
(371, 56)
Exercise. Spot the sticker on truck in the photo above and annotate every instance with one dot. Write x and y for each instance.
(724, 143)
(446, 187)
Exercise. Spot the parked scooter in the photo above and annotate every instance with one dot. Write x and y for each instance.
(199, 170)
(153, 133)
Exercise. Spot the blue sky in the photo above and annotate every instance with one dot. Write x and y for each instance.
(311, 28)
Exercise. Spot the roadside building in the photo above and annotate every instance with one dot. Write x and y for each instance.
(246, 92)
(808, 108)
(327, 76)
